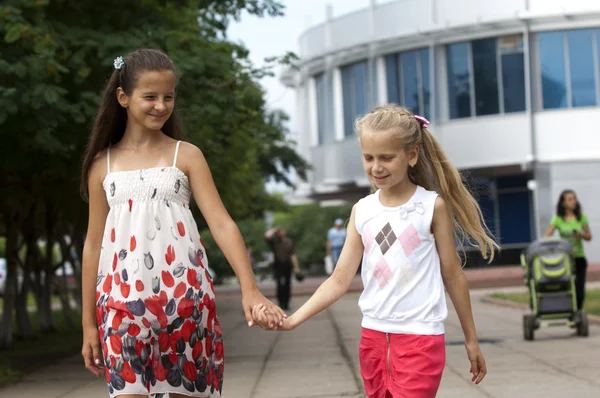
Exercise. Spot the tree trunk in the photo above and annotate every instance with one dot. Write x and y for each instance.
(12, 253)
(45, 304)
(24, 328)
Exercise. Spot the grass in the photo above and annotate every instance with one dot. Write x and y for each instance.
(27, 356)
(31, 300)
(591, 304)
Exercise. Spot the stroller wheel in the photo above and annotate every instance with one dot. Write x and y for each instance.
(528, 327)
(583, 325)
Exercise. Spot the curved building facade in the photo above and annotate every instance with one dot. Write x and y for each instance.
(512, 89)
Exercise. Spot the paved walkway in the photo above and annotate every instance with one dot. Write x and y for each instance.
(319, 359)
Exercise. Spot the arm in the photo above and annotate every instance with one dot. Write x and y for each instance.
(224, 230)
(549, 231)
(269, 234)
(329, 242)
(337, 284)
(295, 263)
(98, 211)
(456, 284)
(586, 234)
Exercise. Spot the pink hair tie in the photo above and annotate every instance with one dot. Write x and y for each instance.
(424, 122)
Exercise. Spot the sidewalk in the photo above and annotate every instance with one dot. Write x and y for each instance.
(320, 359)
(479, 278)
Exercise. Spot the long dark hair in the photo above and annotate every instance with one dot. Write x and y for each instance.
(560, 207)
(111, 119)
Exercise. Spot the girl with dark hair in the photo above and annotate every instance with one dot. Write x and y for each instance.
(149, 317)
(573, 226)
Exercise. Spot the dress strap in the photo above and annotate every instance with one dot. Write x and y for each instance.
(108, 160)
(176, 152)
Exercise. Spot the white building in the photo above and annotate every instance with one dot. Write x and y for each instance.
(512, 88)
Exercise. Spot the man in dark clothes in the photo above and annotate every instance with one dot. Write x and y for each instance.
(284, 262)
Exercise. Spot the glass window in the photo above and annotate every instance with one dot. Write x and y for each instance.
(393, 85)
(513, 82)
(552, 61)
(321, 103)
(354, 83)
(410, 80)
(459, 85)
(581, 65)
(425, 84)
(485, 76)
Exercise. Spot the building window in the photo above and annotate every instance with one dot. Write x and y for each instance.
(513, 73)
(354, 92)
(486, 77)
(459, 80)
(321, 89)
(408, 80)
(568, 66)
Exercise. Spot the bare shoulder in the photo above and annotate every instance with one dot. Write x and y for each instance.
(191, 159)
(99, 167)
(440, 208)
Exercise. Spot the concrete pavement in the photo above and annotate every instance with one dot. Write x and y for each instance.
(320, 359)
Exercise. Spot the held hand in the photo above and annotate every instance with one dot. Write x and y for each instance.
(260, 317)
(478, 367)
(274, 315)
(91, 352)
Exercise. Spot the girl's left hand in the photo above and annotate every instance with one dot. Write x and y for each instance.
(478, 368)
(274, 314)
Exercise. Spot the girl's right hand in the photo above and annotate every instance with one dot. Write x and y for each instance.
(92, 355)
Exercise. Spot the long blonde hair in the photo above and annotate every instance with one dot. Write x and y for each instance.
(434, 172)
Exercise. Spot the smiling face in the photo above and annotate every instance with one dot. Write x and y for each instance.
(151, 101)
(385, 160)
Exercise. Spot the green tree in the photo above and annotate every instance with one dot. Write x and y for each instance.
(55, 58)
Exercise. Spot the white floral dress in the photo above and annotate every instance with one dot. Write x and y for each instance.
(155, 300)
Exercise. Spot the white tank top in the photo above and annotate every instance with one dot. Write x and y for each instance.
(403, 286)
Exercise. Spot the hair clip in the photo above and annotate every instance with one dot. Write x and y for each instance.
(118, 63)
(424, 122)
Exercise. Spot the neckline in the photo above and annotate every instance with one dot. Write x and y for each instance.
(396, 208)
(145, 169)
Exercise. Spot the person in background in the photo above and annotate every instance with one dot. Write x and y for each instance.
(336, 237)
(573, 226)
(284, 262)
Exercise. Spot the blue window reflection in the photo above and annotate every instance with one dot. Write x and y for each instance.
(410, 80)
(581, 65)
(513, 82)
(552, 60)
(392, 82)
(321, 89)
(485, 76)
(459, 85)
(425, 84)
(354, 83)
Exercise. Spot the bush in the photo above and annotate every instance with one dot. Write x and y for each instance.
(306, 225)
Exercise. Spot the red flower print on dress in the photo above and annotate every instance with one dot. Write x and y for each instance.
(115, 343)
(208, 345)
(192, 278)
(197, 350)
(167, 279)
(181, 228)
(160, 372)
(187, 329)
(170, 255)
(163, 342)
(106, 286)
(139, 285)
(130, 204)
(153, 305)
(189, 370)
(115, 261)
(185, 309)
(133, 329)
(127, 373)
(125, 289)
(132, 243)
(219, 352)
(117, 278)
(112, 235)
(180, 290)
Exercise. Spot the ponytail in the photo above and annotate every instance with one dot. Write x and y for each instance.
(434, 172)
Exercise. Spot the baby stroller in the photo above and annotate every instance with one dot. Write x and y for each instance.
(548, 264)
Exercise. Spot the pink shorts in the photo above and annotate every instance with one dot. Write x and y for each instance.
(401, 365)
